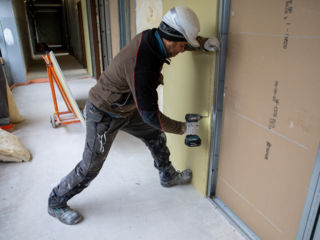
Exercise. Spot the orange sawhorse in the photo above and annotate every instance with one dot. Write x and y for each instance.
(59, 118)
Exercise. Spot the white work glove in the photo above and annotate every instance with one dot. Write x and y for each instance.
(192, 128)
(212, 44)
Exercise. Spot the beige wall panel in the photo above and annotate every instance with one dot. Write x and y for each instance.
(188, 88)
(271, 119)
(268, 194)
(114, 20)
(257, 63)
(269, 17)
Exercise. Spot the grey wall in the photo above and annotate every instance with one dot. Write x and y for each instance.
(4, 110)
(22, 27)
(12, 53)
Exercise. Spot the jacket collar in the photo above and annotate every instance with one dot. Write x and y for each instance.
(153, 45)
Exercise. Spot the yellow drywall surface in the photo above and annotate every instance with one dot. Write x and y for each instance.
(86, 35)
(188, 88)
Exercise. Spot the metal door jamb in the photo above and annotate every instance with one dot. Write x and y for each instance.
(309, 224)
(223, 25)
(220, 68)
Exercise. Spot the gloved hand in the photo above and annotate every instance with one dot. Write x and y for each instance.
(212, 44)
(192, 128)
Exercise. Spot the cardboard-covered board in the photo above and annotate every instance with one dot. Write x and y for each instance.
(271, 118)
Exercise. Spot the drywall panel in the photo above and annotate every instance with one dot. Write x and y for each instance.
(86, 36)
(188, 88)
(271, 118)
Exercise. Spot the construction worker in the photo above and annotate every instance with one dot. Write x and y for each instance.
(125, 98)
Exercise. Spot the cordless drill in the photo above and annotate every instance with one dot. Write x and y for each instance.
(193, 140)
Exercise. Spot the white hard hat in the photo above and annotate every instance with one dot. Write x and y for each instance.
(185, 21)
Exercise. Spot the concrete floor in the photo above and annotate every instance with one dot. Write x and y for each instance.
(125, 201)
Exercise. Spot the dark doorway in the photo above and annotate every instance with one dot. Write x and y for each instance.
(47, 25)
(105, 32)
(83, 48)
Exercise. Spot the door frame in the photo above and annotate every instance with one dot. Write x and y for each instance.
(217, 109)
(105, 32)
(83, 47)
(93, 36)
(216, 123)
(309, 227)
(124, 22)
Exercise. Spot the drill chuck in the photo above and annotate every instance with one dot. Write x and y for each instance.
(192, 117)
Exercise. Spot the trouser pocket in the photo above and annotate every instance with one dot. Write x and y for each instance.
(91, 113)
(98, 123)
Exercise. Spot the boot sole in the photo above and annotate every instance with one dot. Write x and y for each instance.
(79, 219)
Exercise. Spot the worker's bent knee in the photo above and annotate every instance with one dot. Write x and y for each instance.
(159, 141)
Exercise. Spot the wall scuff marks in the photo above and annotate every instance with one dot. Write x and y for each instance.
(148, 14)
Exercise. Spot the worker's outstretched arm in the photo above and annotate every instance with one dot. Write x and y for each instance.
(206, 44)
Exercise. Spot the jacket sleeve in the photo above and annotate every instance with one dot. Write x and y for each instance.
(145, 85)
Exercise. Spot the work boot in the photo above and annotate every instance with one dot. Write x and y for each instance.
(170, 177)
(65, 214)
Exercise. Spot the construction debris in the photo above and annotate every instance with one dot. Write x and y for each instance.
(11, 149)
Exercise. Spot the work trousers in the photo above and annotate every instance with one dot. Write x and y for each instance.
(101, 130)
